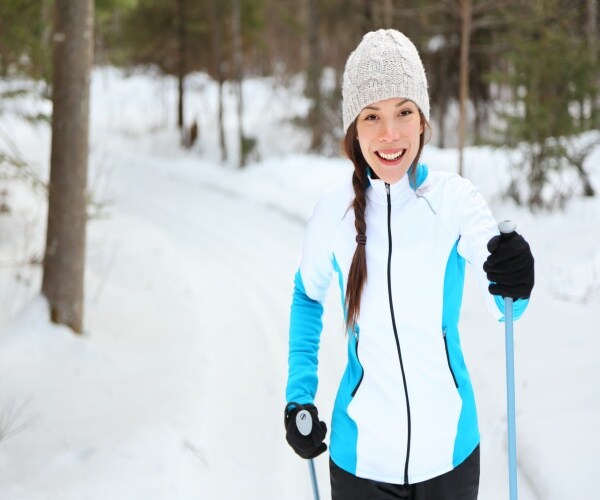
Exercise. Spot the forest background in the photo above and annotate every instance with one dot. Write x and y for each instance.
(517, 73)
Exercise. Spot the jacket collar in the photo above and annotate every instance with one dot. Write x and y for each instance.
(399, 191)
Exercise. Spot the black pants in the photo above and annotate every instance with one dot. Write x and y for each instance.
(461, 483)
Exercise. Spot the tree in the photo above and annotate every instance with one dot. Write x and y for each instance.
(217, 53)
(238, 64)
(466, 18)
(24, 45)
(549, 73)
(108, 23)
(593, 41)
(182, 50)
(64, 260)
(474, 16)
(313, 77)
(171, 35)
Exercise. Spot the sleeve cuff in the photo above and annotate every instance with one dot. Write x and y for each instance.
(519, 307)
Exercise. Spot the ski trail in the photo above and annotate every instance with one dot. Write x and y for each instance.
(249, 254)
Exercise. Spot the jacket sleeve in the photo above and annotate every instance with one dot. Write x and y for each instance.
(305, 333)
(477, 227)
(310, 289)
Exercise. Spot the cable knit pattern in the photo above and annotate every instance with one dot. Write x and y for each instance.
(385, 64)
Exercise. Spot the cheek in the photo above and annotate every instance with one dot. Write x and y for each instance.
(417, 130)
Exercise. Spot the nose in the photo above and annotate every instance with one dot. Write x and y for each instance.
(389, 132)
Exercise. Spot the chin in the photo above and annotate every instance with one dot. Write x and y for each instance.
(392, 177)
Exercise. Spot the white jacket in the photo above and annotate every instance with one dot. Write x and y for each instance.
(405, 410)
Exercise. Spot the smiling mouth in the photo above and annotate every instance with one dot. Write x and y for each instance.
(393, 156)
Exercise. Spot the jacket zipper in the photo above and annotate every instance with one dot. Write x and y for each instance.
(363, 370)
(389, 281)
(448, 358)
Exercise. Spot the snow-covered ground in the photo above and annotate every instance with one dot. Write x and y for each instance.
(176, 389)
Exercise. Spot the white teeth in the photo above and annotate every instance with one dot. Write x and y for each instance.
(390, 157)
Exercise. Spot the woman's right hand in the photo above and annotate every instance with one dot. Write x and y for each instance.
(307, 445)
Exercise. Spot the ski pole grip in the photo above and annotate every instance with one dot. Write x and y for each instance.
(506, 226)
(304, 422)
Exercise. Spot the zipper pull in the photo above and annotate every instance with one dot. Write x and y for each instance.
(387, 188)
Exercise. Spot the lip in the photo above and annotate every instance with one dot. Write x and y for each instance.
(390, 152)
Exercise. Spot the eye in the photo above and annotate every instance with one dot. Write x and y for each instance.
(370, 117)
(406, 112)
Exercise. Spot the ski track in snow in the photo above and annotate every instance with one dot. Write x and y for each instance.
(225, 236)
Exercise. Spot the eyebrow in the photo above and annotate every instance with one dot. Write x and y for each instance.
(375, 108)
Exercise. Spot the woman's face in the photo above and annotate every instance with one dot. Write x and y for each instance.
(388, 134)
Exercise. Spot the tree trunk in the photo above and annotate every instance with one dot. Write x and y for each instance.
(313, 77)
(588, 189)
(592, 41)
(182, 59)
(441, 129)
(64, 260)
(368, 18)
(387, 14)
(238, 59)
(442, 67)
(465, 40)
(217, 50)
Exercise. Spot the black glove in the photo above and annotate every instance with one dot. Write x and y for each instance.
(306, 446)
(509, 266)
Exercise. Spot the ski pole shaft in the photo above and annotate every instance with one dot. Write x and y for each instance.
(313, 478)
(510, 399)
(304, 425)
(506, 227)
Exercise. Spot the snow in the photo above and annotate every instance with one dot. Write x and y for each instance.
(176, 388)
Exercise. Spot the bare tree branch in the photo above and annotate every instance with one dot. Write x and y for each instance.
(13, 420)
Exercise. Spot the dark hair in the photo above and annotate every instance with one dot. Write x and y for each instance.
(357, 276)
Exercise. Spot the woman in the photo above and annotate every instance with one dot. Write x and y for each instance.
(404, 421)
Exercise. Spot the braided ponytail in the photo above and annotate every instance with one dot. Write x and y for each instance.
(357, 276)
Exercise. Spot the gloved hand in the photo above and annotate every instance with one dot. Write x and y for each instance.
(308, 446)
(509, 266)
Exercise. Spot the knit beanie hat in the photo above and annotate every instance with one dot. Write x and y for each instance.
(385, 64)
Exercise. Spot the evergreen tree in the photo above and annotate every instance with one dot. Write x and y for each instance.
(25, 30)
(548, 73)
(171, 35)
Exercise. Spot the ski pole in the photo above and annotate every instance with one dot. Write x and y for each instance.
(304, 424)
(506, 227)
